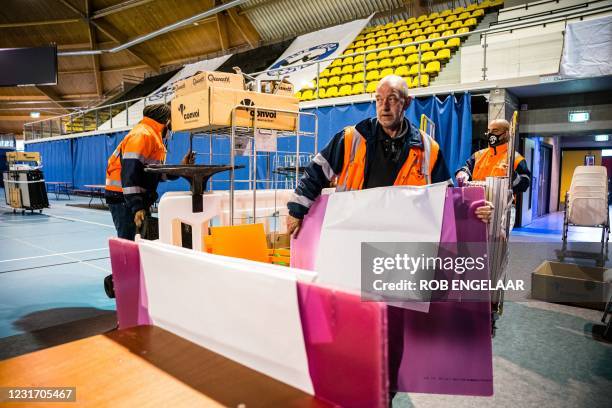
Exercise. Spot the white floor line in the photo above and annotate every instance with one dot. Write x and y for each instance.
(54, 254)
(65, 256)
(72, 219)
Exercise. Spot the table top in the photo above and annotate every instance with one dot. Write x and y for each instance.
(147, 366)
(58, 182)
(92, 186)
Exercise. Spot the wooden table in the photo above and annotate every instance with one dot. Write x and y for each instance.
(60, 187)
(96, 190)
(147, 367)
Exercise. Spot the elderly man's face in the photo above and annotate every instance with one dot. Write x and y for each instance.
(390, 106)
(499, 130)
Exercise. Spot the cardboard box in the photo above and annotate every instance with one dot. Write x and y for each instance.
(576, 285)
(206, 79)
(277, 240)
(277, 87)
(212, 109)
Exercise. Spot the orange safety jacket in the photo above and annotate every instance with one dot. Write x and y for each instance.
(125, 169)
(491, 162)
(416, 170)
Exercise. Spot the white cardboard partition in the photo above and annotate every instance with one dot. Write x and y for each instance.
(385, 214)
(244, 310)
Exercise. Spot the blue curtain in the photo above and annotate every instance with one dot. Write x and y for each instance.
(90, 155)
(56, 156)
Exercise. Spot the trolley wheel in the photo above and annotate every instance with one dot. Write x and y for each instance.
(22, 212)
(14, 211)
(40, 211)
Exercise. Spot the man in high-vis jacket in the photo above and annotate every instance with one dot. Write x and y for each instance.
(383, 151)
(493, 160)
(130, 191)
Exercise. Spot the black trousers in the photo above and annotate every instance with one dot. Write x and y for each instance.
(123, 218)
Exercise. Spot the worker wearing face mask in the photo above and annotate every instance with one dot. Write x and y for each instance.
(493, 160)
(130, 191)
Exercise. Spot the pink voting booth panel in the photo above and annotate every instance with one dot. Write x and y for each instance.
(130, 291)
(304, 247)
(346, 346)
(449, 350)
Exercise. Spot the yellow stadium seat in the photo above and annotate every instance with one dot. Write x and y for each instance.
(336, 63)
(462, 30)
(428, 56)
(471, 7)
(425, 47)
(420, 38)
(456, 24)
(453, 42)
(407, 40)
(358, 77)
(445, 13)
(470, 22)
(381, 39)
(429, 30)
(447, 33)
(412, 59)
(422, 17)
(437, 21)
(347, 69)
(358, 67)
(359, 50)
(324, 73)
(360, 43)
(414, 26)
(414, 69)
(307, 95)
(399, 23)
(437, 45)
(433, 15)
(371, 88)
(389, 25)
(346, 79)
(392, 37)
(383, 45)
(331, 92)
(348, 61)
(345, 90)
(411, 20)
(385, 72)
(396, 51)
(411, 49)
(394, 43)
(360, 37)
(425, 24)
(477, 13)
(450, 19)
(335, 71)
(384, 63)
(432, 68)
(371, 56)
(372, 75)
(443, 54)
(370, 41)
(357, 89)
(358, 59)
(442, 27)
(397, 61)
(458, 10)
(322, 82)
(402, 29)
(372, 65)
(319, 95)
(333, 81)
(380, 33)
(416, 32)
(391, 31)
(424, 81)
(371, 47)
(464, 15)
(433, 36)
(382, 55)
(401, 71)
(348, 51)
(404, 35)
(370, 35)
(408, 79)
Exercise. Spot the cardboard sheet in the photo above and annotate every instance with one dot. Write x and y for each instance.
(244, 310)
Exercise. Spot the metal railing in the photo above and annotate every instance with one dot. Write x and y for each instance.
(91, 119)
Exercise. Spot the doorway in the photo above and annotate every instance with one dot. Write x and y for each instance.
(544, 173)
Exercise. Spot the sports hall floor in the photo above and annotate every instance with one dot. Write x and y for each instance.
(52, 266)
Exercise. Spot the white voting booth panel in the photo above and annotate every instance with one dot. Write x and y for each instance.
(244, 310)
(176, 208)
(403, 214)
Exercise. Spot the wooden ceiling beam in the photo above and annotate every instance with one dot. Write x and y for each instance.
(117, 8)
(95, 59)
(222, 22)
(39, 23)
(244, 26)
(54, 96)
(24, 118)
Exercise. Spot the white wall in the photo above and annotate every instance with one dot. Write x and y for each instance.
(543, 6)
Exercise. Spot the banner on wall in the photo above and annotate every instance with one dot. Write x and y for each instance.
(134, 114)
(296, 63)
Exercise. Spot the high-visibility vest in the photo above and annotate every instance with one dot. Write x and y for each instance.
(492, 163)
(144, 143)
(416, 170)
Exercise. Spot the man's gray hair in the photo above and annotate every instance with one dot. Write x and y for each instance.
(396, 82)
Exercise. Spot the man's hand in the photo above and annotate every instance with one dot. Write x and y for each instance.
(485, 212)
(462, 177)
(139, 218)
(189, 158)
(293, 226)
